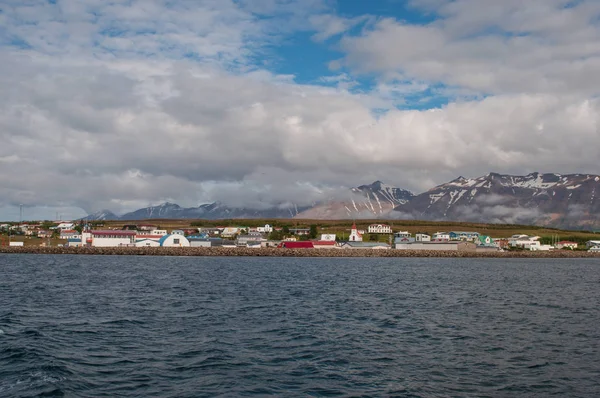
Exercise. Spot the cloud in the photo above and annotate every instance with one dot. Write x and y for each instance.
(490, 47)
(120, 104)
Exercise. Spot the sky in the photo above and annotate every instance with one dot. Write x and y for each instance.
(119, 104)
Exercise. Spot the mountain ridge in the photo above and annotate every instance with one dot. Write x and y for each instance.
(545, 199)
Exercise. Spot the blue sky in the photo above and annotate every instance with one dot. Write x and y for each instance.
(124, 103)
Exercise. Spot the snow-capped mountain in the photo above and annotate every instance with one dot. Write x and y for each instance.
(542, 199)
(376, 200)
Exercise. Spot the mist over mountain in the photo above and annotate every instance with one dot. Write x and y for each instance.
(556, 200)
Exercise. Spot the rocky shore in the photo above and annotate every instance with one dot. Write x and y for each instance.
(276, 252)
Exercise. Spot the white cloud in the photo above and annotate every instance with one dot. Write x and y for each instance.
(120, 121)
(489, 46)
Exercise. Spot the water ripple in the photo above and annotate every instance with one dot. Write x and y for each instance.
(90, 326)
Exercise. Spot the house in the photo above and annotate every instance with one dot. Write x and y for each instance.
(563, 244)
(404, 240)
(108, 238)
(462, 235)
(355, 235)
(245, 240)
(159, 232)
(146, 227)
(484, 240)
(267, 229)
(438, 245)
(524, 241)
(441, 236)
(300, 231)
(379, 229)
(297, 245)
(324, 244)
(65, 225)
(43, 234)
(402, 234)
(69, 234)
(422, 238)
(145, 242)
(178, 232)
(328, 237)
(365, 245)
(592, 243)
(174, 241)
(230, 232)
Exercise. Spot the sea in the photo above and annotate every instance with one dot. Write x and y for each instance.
(127, 326)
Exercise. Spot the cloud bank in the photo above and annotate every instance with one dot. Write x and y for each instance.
(120, 104)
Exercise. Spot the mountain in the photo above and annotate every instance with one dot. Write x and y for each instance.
(554, 200)
(210, 211)
(565, 201)
(102, 215)
(376, 200)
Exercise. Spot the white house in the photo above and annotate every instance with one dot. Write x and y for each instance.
(355, 235)
(229, 232)
(379, 229)
(108, 238)
(328, 237)
(145, 242)
(65, 225)
(178, 232)
(422, 238)
(402, 234)
(267, 229)
(174, 241)
(441, 236)
(592, 243)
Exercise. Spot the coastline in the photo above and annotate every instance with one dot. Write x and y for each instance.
(277, 252)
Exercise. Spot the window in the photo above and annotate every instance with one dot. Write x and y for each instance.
(176, 241)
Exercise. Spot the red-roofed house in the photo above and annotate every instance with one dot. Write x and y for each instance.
(566, 245)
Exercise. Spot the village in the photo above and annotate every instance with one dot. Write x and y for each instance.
(375, 236)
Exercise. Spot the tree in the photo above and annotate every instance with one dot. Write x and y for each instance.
(313, 231)
(285, 230)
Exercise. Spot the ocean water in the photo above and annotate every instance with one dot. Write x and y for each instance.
(94, 326)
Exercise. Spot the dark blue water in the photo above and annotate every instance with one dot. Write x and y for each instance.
(91, 326)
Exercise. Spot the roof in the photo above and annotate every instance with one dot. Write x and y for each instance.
(113, 232)
(566, 242)
(378, 225)
(324, 242)
(367, 244)
(297, 245)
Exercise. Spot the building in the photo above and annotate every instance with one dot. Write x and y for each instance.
(402, 234)
(65, 225)
(300, 231)
(422, 238)
(267, 229)
(108, 238)
(297, 245)
(355, 235)
(145, 242)
(200, 242)
(438, 245)
(178, 232)
(462, 235)
(324, 244)
(230, 232)
(484, 240)
(43, 234)
(365, 245)
(146, 227)
(328, 237)
(524, 242)
(441, 236)
(592, 243)
(174, 241)
(69, 234)
(566, 245)
(379, 229)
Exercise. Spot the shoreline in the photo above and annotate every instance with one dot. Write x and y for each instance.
(277, 252)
